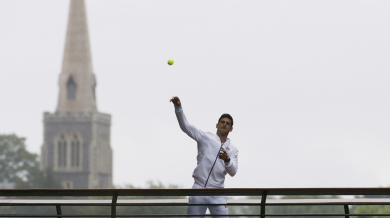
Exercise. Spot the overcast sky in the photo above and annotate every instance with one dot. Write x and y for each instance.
(307, 83)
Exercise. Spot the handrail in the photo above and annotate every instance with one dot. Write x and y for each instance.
(195, 192)
(184, 202)
(262, 202)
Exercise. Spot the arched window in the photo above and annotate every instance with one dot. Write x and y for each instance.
(71, 87)
(94, 90)
(75, 151)
(62, 152)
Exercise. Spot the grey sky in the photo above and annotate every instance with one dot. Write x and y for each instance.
(307, 83)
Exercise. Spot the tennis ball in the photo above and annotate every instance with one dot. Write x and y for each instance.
(170, 62)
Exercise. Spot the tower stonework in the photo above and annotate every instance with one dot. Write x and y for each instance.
(77, 137)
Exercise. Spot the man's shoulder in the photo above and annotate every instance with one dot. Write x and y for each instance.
(209, 134)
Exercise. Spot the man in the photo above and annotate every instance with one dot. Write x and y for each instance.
(217, 156)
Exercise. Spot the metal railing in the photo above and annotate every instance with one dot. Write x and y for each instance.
(12, 198)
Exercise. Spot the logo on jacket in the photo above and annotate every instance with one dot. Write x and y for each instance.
(227, 148)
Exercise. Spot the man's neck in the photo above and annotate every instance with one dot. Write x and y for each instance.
(223, 138)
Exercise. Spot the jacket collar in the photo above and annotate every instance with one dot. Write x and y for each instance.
(227, 142)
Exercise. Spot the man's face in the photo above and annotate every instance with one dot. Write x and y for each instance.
(224, 126)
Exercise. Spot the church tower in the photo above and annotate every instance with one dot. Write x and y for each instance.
(77, 137)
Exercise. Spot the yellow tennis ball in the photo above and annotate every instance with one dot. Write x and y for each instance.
(170, 62)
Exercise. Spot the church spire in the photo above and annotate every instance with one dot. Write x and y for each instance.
(77, 81)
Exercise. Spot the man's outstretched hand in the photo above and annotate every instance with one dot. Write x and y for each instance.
(176, 101)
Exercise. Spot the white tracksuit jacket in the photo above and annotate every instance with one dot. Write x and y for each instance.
(209, 145)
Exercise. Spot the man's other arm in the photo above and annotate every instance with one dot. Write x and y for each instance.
(188, 128)
(232, 166)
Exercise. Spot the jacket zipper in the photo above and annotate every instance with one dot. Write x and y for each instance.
(214, 163)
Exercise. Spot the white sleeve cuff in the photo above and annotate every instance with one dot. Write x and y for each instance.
(178, 108)
(228, 164)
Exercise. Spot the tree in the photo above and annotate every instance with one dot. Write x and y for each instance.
(21, 167)
(16, 163)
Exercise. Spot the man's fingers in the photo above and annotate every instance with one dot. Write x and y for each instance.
(223, 157)
(175, 100)
(223, 154)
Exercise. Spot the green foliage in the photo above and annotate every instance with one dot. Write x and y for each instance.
(21, 167)
(371, 209)
(16, 163)
(150, 185)
(39, 179)
(309, 209)
(366, 209)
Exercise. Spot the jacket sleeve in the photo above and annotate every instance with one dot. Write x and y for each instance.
(188, 128)
(232, 166)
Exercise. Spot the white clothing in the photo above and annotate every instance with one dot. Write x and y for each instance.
(209, 145)
(201, 209)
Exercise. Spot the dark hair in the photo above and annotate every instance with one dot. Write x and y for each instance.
(226, 116)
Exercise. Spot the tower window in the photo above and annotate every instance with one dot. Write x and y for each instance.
(71, 87)
(75, 151)
(94, 90)
(62, 152)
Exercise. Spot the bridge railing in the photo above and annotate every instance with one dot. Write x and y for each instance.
(13, 198)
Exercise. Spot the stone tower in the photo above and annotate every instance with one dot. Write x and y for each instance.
(77, 137)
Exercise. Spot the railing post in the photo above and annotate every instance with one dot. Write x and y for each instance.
(113, 205)
(59, 213)
(263, 199)
(346, 210)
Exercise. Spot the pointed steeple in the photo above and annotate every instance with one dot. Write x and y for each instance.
(77, 81)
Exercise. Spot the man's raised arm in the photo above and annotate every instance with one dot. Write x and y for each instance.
(188, 128)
